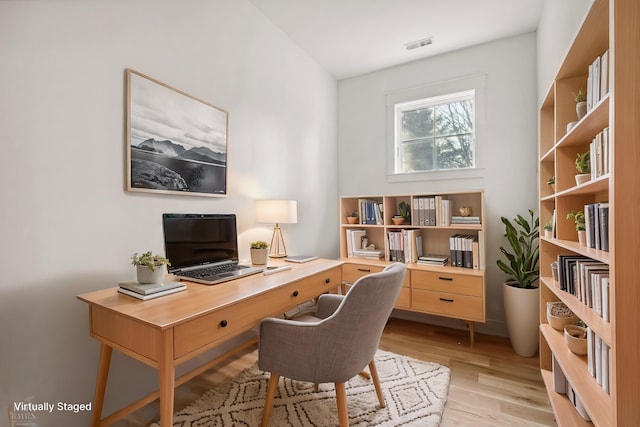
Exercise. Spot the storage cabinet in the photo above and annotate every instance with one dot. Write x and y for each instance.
(609, 36)
(447, 290)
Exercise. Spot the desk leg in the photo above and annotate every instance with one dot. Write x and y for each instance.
(166, 379)
(101, 383)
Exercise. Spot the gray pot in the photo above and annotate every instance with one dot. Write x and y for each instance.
(146, 275)
(259, 256)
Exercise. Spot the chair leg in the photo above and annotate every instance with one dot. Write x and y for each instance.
(376, 382)
(341, 398)
(268, 403)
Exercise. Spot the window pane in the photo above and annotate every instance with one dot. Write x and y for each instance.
(455, 152)
(416, 156)
(417, 124)
(454, 118)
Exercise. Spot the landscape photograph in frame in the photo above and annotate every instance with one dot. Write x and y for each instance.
(175, 143)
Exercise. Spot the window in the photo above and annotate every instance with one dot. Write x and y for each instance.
(435, 134)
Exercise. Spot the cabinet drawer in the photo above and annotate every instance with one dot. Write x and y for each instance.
(445, 282)
(352, 272)
(446, 304)
(404, 298)
(230, 321)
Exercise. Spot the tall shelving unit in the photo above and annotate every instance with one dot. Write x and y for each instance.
(613, 26)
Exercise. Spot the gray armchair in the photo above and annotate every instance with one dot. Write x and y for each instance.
(336, 344)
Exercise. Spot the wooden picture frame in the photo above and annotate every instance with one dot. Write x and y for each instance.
(175, 143)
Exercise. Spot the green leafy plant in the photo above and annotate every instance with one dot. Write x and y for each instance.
(149, 259)
(522, 235)
(353, 214)
(583, 162)
(578, 218)
(551, 180)
(549, 224)
(580, 96)
(403, 209)
(259, 244)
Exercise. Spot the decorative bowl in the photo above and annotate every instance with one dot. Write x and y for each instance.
(397, 220)
(576, 339)
(559, 315)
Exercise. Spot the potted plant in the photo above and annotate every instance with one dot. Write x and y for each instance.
(352, 217)
(583, 166)
(581, 104)
(259, 252)
(578, 218)
(150, 268)
(552, 182)
(520, 290)
(403, 214)
(548, 228)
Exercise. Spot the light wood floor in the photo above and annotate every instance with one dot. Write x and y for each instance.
(490, 385)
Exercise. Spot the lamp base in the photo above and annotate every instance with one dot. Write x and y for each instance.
(277, 249)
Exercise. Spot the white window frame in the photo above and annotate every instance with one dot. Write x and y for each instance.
(438, 90)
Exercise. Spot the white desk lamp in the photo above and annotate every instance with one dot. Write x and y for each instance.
(278, 212)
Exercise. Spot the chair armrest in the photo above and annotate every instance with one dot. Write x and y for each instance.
(328, 304)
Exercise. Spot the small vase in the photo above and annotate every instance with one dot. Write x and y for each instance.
(145, 275)
(352, 219)
(581, 109)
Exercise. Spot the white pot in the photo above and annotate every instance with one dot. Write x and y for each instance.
(146, 275)
(259, 256)
(582, 237)
(581, 178)
(581, 109)
(522, 312)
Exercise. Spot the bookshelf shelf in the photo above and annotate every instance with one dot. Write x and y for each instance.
(603, 44)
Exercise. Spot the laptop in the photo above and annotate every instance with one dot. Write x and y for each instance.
(203, 248)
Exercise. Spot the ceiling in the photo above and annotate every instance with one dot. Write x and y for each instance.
(354, 37)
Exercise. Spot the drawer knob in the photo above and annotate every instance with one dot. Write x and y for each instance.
(446, 299)
(223, 323)
(295, 293)
(327, 280)
(449, 279)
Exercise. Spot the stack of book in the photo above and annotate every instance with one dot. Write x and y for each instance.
(465, 220)
(149, 290)
(430, 259)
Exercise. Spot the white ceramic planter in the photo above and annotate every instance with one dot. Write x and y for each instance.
(522, 312)
(146, 275)
(581, 178)
(259, 256)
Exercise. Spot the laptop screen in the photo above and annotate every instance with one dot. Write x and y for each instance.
(197, 239)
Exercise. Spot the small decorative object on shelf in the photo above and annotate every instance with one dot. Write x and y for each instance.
(464, 211)
(552, 183)
(578, 218)
(559, 315)
(581, 104)
(583, 166)
(403, 214)
(548, 228)
(576, 339)
(259, 252)
(352, 217)
(150, 268)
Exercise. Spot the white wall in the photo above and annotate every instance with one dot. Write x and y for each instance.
(68, 227)
(508, 147)
(557, 28)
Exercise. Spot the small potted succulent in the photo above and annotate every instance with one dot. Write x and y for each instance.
(352, 217)
(259, 252)
(548, 228)
(581, 104)
(583, 166)
(403, 214)
(578, 218)
(150, 268)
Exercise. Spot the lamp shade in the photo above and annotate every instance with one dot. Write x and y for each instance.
(277, 211)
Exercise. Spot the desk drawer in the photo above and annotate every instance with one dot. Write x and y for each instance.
(446, 304)
(230, 321)
(352, 272)
(404, 299)
(446, 282)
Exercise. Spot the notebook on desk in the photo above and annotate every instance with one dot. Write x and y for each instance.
(203, 248)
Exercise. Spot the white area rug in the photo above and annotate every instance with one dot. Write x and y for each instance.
(415, 393)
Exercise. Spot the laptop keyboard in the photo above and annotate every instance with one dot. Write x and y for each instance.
(208, 271)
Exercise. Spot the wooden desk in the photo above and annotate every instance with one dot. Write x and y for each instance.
(170, 330)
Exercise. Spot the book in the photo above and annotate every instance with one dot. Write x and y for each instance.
(153, 295)
(148, 288)
(300, 258)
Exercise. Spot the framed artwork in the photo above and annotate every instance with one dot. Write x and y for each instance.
(175, 143)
